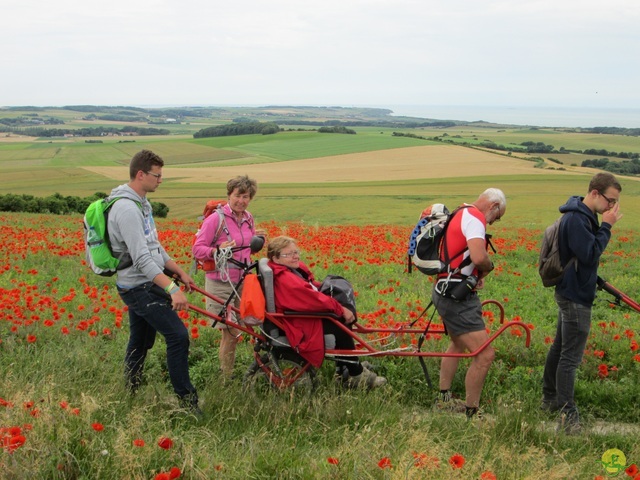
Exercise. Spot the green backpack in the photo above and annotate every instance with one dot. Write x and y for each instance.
(96, 239)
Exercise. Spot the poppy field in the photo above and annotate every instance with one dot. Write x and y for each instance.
(64, 412)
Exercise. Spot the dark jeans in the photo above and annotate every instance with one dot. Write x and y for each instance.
(565, 355)
(150, 312)
(343, 342)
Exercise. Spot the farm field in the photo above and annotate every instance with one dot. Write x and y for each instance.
(351, 200)
(313, 177)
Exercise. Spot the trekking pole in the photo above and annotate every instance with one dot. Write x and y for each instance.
(421, 340)
(617, 294)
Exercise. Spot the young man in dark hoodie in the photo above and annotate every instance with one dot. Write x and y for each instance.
(582, 237)
(153, 298)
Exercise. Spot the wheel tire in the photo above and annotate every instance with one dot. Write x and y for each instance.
(287, 362)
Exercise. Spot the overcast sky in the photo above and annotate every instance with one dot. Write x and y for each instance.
(575, 53)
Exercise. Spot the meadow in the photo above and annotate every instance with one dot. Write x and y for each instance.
(64, 331)
(64, 413)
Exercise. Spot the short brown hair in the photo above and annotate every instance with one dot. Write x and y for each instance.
(244, 184)
(602, 181)
(278, 244)
(144, 160)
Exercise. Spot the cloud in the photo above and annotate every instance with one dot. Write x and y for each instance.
(334, 52)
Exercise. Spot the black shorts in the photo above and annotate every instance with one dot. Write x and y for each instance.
(459, 317)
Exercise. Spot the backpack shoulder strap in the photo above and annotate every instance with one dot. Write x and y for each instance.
(112, 200)
(447, 258)
(222, 226)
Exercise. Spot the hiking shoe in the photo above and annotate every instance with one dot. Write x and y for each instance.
(453, 405)
(367, 379)
(549, 406)
(475, 415)
(569, 424)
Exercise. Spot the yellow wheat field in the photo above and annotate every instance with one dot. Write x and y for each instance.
(433, 161)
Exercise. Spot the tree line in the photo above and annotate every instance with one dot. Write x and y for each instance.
(244, 128)
(380, 123)
(84, 132)
(58, 204)
(626, 167)
(30, 120)
(337, 129)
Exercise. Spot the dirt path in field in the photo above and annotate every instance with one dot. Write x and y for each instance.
(434, 161)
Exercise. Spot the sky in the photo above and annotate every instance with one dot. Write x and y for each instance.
(557, 53)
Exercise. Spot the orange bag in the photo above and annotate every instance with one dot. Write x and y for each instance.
(252, 302)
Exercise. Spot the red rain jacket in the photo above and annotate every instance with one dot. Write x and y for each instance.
(294, 293)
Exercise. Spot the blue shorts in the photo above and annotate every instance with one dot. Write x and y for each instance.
(459, 317)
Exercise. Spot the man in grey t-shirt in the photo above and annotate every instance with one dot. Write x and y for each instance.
(153, 297)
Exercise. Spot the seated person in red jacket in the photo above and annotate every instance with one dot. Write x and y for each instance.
(295, 289)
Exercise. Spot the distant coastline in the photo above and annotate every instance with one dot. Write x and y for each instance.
(572, 117)
(551, 117)
(569, 117)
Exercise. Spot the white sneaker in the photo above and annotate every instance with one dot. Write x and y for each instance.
(367, 379)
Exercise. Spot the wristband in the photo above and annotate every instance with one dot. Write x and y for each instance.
(170, 287)
(176, 289)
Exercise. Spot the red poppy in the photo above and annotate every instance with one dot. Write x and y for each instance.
(457, 461)
(174, 473)
(385, 462)
(31, 338)
(632, 470)
(333, 460)
(13, 443)
(138, 442)
(488, 476)
(98, 427)
(162, 476)
(165, 443)
(603, 370)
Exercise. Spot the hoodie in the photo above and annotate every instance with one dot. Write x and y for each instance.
(582, 237)
(132, 229)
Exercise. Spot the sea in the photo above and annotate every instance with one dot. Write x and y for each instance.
(573, 117)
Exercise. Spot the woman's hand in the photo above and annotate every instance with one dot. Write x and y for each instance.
(261, 232)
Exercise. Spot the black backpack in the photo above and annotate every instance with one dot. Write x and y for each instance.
(550, 267)
(341, 289)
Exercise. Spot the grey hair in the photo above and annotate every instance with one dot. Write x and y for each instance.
(495, 195)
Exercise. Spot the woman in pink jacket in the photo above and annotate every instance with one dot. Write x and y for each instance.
(236, 230)
(295, 289)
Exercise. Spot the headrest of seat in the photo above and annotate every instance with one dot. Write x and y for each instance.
(266, 277)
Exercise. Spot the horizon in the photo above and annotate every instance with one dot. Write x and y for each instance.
(518, 115)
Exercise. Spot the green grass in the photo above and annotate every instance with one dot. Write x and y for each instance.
(269, 435)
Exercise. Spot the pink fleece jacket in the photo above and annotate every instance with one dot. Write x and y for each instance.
(240, 231)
